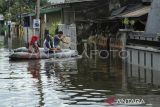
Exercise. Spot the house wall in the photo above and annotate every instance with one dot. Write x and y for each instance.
(141, 62)
(51, 18)
(153, 22)
(45, 24)
(68, 16)
(144, 64)
(70, 32)
(28, 31)
(66, 24)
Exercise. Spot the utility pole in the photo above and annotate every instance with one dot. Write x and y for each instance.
(9, 26)
(38, 9)
(37, 30)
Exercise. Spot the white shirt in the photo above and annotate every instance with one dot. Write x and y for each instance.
(45, 47)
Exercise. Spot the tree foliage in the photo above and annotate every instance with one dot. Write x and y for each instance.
(3, 6)
(12, 9)
(54, 26)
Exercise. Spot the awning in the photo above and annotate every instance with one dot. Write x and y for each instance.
(43, 11)
(136, 13)
(118, 11)
(74, 1)
(133, 13)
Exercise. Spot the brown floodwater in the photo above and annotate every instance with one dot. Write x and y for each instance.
(73, 82)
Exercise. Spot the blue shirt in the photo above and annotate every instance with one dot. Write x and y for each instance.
(56, 41)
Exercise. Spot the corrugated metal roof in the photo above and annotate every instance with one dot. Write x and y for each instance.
(43, 11)
(73, 1)
(118, 11)
(133, 13)
(136, 13)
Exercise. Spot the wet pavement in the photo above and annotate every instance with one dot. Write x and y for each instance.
(70, 83)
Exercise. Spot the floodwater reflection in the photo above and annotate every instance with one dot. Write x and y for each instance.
(67, 82)
(34, 69)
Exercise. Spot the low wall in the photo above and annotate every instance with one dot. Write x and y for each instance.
(145, 57)
(143, 63)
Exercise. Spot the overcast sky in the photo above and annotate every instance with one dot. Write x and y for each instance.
(56, 1)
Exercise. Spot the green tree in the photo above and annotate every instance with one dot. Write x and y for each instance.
(54, 27)
(12, 9)
(3, 6)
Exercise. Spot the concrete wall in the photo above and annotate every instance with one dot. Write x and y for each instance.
(51, 18)
(68, 16)
(153, 23)
(144, 64)
(68, 26)
(70, 32)
(145, 58)
(27, 36)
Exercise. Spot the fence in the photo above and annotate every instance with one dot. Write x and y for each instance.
(141, 38)
(144, 36)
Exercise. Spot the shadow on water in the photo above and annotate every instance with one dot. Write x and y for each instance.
(84, 71)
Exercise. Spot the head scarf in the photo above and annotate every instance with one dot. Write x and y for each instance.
(34, 39)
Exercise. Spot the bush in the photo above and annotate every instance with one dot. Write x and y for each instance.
(54, 27)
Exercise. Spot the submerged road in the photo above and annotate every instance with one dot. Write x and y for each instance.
(69, 83)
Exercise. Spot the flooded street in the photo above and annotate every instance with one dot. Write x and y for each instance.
(69, 83)
(79, 53)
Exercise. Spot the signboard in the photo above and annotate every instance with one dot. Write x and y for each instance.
(36, 23)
